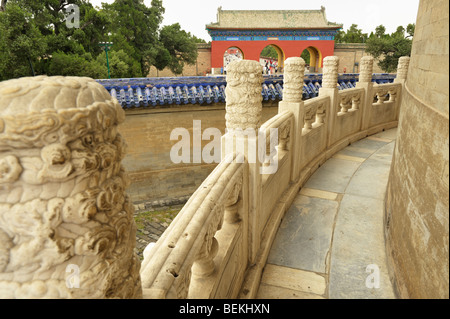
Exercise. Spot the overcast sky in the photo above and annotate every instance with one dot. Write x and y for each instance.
(193, 15)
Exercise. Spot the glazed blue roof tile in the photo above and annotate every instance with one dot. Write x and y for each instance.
(151, 92)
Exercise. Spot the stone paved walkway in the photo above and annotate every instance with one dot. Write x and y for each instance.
(330, 243)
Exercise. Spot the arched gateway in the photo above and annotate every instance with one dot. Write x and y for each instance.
(290, 31)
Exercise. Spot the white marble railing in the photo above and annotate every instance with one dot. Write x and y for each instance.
(63, 205)
(195, 258)
(189, 259)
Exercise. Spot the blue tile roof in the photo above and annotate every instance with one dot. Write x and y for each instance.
(151, 92)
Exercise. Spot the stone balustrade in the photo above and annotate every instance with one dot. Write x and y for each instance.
(62, 200)
(215, 260)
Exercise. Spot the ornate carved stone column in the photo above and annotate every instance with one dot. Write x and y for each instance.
(366, 70)
(402, 73)
(402, 68)
(294, 73)
(330, 72)
(243, 120)
(329, 88)
(66, 224)
(244, 98)
(365, 82)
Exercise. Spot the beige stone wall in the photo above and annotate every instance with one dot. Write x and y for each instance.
(348, 54)
(147, 132)
(417, 202)
(200, 68)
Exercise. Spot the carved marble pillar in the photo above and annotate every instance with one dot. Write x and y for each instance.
(402, 73)
(243, 120)
(365, 82)
(366, 69)
(330, 72)
(402, 68)
(294, 73)
(330, 88)
(66, 224)
(244, 98)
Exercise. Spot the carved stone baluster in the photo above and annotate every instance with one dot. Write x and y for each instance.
(356, 101)
(309, 118)
(284, 136)
(320, 114)
(204, 264)
(231, 215)
(392, 95)
(345, 103)
(381, 96)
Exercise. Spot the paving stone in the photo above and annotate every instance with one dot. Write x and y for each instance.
(388, 134)
(370, 144)
(333, 175)
(358, 242)
(294, 279)
(318, 193)
(356, 151)
(304, 237)
(370, 180)
(273, 292)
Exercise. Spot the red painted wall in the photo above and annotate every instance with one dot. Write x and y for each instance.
(252, 49)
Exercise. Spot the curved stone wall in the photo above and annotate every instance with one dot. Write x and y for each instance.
(417, 201)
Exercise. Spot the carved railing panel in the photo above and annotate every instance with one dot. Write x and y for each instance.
(386, 101)
(386, 93)
(315, 113)
(188, 247)
(283, 124)
(350, 100)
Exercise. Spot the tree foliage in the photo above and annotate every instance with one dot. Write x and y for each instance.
(34, 36)
(388, 48)
(269, 52)
(352, 35)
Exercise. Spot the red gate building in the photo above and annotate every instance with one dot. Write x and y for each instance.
(288, 31)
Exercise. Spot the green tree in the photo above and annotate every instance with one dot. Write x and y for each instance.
(269, 52)
(352, 35)
(181, 46)
(75, 65)
(136, 30)
(306, 56)
(389, 48)
(410, 28)
(21, 42)
(121, 65)
(35, 33)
